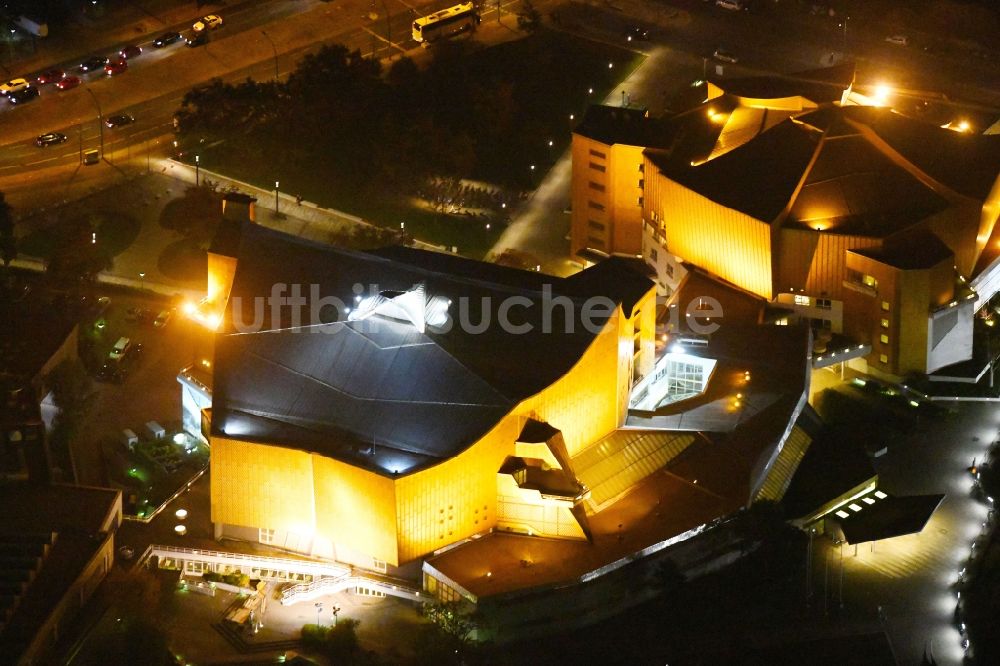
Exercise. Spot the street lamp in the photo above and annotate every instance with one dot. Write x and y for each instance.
(100, 118)
(335, 610)
(197, 169)
(142, 281)
(319, 609)
(275, 50)
(276, 197)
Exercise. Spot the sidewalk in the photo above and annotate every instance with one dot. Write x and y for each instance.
(299, 218)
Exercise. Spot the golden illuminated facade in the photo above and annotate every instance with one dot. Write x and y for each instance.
(372, 513)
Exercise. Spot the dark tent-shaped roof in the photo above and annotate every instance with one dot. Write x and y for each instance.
(386, 392)
(890, 517)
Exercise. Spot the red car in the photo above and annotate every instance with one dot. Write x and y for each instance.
(68, 82)
(116, 67)
(51, 76)
(129, 52)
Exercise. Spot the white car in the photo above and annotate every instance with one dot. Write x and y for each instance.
(723, 55)
(211, 22)
(13, 86)
(898, 40)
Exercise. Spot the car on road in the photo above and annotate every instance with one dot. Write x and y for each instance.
(49, 139)
(197, 39)
(163, 318)
(119, 120)
(116, 67)
(129, 52)
(51, 76)
(166, 39)
(210, 22)
(636, 33)
(112, 371)
(725, 55)
(93, 63)
(14, 85)
(898, 40)
(22, 96)
(68, 82)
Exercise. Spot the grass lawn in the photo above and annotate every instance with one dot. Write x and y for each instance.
(554, 75)
(115, 230)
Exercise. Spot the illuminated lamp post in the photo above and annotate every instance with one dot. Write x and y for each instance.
(319, 609)
(276, 184)
(197, 169)
(100, 119)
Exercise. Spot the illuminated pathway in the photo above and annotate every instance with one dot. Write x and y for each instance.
(913, 577)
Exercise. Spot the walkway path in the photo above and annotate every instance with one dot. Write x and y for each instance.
(913, 577)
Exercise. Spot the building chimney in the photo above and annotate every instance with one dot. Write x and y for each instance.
(239, 207)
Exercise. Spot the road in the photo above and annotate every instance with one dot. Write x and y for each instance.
(156, 81)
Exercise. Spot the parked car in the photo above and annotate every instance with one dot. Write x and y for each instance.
(636, 33)
(14, 85)
(51, 76)
(22, 96)
(210, 22)
(725, 55)
(197, 39)
(129, 52)
(49, 139)
(116, 67)
(136, 314)
(68, 82)
(165, 39)
(119, 120)
(94, 62)
(898, 40)
(163, 318)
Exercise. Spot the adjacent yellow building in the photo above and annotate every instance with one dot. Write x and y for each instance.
(854, 219)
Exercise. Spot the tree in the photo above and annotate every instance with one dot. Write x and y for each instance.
(339, 643)
(71, 393)
(8, 244)
(448, 616)
(668, 577)
(529, 19)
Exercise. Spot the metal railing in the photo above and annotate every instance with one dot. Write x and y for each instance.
(323, 586)
(256, 561)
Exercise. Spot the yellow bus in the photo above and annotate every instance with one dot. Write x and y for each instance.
(445, 23)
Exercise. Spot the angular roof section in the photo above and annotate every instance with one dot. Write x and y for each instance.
(617, 124)
(226, 240)
(757, 178)
(380, 392)
(916, 251)
(890, 517)
(967, 163)
(863, 170)
(816, 85)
